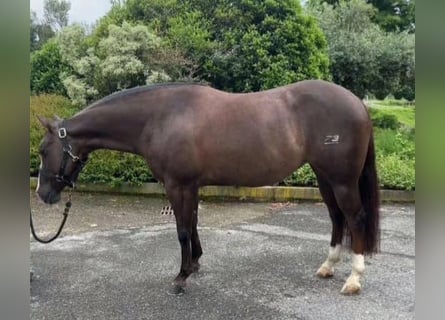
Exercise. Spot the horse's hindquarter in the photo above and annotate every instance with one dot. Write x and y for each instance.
(336, 127)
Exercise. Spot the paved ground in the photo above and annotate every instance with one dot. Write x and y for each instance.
(118, 255)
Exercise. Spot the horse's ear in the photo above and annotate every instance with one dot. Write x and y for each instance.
(57, 118)
(46, 123)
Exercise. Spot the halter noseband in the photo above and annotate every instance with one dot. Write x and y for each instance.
(67, 153)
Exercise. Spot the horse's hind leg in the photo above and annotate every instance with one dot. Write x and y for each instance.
(348, 200)
(327, 268)
(196, 244)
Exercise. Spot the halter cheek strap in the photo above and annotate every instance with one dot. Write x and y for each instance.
(67, 153)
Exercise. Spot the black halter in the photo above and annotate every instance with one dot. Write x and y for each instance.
(67, 153)
(62, 178)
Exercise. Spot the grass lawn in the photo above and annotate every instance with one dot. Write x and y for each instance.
(404, 111)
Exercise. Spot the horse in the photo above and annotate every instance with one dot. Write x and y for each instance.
(192, 135)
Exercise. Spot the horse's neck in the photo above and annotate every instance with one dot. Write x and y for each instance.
(105, 129)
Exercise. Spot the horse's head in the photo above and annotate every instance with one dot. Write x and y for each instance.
(60, 161)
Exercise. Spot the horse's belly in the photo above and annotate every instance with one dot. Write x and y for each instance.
(250, 173)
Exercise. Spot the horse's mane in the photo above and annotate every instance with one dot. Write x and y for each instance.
(139, 89)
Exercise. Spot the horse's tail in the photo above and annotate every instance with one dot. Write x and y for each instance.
(369, 193)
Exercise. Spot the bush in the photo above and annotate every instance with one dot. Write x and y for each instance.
(395, 158)
(396, 173)
(46, 67)
(406, 91)
(115, 168)
(304, 176)
(384, 120)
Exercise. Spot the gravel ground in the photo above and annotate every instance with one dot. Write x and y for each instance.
(117, 257)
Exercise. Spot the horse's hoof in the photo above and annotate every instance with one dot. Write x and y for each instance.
(176, 290)
(351, 288)
(324, 272)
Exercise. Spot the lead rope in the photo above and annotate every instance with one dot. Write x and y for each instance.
(65, 215)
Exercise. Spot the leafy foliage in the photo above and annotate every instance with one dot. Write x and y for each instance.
(124, 54)
(395, 147)
(120, 60)
(395, 15)
(384, 120)
(39, 33)
(46, 67)
(392, 15)
(56, 13)
(115, 168)
(396, 173)
(364, 58)
(239, 46)
(245, 45)
(304, 176)
(274, 43)
(55, 18)
(81, 58)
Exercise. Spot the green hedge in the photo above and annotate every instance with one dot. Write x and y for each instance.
(394, 147)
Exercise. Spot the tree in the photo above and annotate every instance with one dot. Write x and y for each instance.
(407, 81)
(120, 60)
(125, 55)
(365, 58)
(46, 68)
(40, 32)
(74, 49)
(166, 56)
(265, 44)
(55, 13)
(392, 15)
(55, 17)
(395, 15)
(245, 45)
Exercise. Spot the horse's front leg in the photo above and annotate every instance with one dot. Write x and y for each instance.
(183, 203)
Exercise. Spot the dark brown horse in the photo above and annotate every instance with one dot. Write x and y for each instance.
(193, 135)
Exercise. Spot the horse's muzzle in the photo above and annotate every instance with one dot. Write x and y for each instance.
(49, 197)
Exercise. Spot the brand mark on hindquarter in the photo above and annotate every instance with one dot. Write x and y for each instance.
(332, 139)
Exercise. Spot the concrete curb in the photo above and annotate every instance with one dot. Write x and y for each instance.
(278, 194)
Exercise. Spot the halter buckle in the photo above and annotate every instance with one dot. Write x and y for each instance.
(62, 133)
